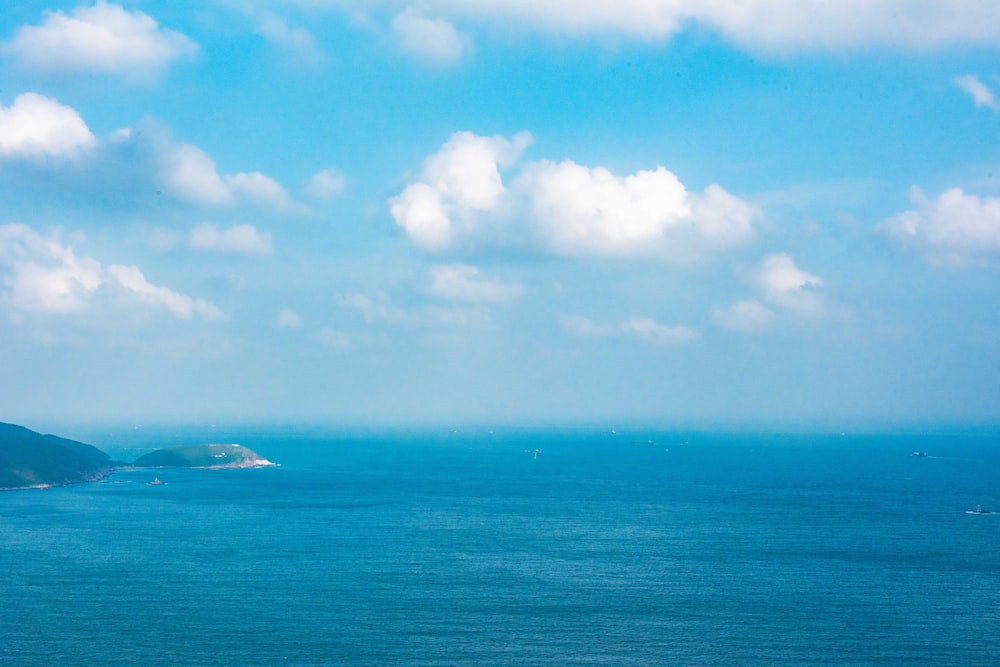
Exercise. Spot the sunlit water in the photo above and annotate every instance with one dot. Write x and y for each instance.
(473, 548)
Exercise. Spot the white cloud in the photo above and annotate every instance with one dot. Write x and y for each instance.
(954, 229)
(288, 319)
(420, 210)
(460, 180)
(263, 190)
(654, 332)
(785, 284)
(461, 282)
(326, 184)
(747, 316)
(589, 211)
(778, 274)
(36, 126)
(566, 208)
(131, 279)
(238, 239)
(790, 293)
(189, 173)
(45, 276)
(434, 41)
(981, 94)
(101, 38)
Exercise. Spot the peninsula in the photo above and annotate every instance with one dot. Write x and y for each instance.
(33, 460)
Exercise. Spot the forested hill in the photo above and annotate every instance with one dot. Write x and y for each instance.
(30, 459)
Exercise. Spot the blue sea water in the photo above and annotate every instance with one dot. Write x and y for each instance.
(471, 548)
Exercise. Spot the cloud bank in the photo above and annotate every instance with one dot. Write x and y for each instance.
(764, 26)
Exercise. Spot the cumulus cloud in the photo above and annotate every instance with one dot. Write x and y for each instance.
(263, 190)
(38, 127)
(326, 184)
(43, 275)
(748, 316)
(189, 174)
(568, 209)
(461, 282)
(589, 211)
(982, 95)
(434, 41)
(786, 285)
(99, 38)
(954, 229)
(238, 239)
(460, 180)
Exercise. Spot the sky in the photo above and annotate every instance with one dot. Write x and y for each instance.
(500, 211)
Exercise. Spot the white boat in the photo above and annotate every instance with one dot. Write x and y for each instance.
(979, 510)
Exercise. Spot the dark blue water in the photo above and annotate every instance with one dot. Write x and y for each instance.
(464, 548)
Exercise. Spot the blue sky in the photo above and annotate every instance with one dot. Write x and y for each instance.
(448, 211)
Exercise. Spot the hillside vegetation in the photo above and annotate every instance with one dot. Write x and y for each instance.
(30, 459)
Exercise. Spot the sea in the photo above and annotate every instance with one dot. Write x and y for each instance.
(513, 546)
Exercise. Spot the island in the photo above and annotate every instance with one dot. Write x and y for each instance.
(202, 456)
(30, 460)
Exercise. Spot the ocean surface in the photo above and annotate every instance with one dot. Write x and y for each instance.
(514, 547)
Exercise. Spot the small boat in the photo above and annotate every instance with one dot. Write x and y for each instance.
(979, 510)
(921, 454)
(156, 482)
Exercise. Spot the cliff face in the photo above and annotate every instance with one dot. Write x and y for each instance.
(202, 456)
(30, 459)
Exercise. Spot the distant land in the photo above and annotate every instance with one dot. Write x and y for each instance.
(30, 460)
(202, 456)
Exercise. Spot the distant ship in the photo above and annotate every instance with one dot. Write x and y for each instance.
(920, 454)
(156, 482)
(979, 510)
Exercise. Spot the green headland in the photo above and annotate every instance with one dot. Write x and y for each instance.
(32, 460)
